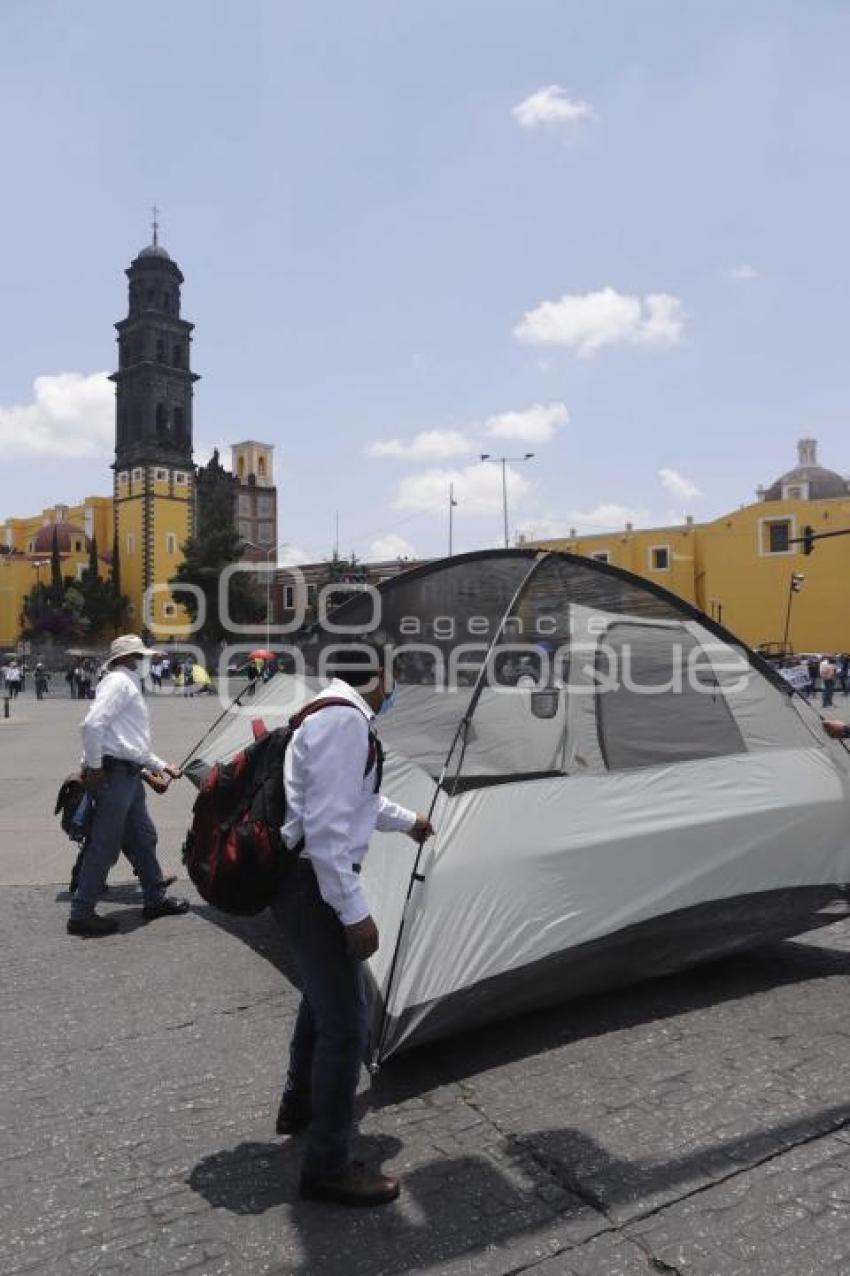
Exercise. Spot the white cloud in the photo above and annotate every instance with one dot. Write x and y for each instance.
(585, 322)
(536, 424)
(293, 556)
(477, 489)
(72, 414)
(391, 546)
(428, 445)
(677, 485)
(551, 106)
(608, 517)
(743, 271)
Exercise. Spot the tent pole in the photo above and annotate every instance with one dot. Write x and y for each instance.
(463, 728)
(209, 731)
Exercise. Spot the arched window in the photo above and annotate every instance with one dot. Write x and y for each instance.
(178, 420)
(240, 467)
(261, 466)
(160, 351)
(161, 418)
(177, 354)
(149, 296)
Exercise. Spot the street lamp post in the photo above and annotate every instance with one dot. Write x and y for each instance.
(795, 584)
(452, 504)
(268, 553)
(503, 461)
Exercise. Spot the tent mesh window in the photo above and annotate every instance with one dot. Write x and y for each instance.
(657, 702)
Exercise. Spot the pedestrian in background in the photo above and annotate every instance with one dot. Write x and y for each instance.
(14, 678)
(42, 680)
(828, 671)
(844, 671)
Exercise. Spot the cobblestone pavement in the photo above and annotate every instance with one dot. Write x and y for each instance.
(698, 1124)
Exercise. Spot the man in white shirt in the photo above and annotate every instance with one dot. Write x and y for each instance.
(332, 777)
(116, 749)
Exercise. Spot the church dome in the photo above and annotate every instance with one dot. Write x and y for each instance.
(67, 534)
(815, 483)
(155, 250)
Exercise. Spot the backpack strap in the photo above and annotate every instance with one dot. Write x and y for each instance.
(375, 755)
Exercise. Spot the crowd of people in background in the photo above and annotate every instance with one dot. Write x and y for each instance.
(818, 674)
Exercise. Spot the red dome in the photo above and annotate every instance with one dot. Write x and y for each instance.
(66, 534)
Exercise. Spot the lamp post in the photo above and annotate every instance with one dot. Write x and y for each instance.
(452, 504)
(795, 584)
(268, 553)
(503, 461)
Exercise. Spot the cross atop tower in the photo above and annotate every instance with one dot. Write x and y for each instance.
(156, 212)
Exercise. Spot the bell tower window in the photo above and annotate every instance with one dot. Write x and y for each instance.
(178, 420)
(161, 418)
(160, 351)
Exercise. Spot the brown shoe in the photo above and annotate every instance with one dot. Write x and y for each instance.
(355, 1185)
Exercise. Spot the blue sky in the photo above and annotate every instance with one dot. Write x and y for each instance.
(371, 225)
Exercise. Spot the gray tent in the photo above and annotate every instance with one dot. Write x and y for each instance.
(620, 788)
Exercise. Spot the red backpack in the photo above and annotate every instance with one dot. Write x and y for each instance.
(233, 851)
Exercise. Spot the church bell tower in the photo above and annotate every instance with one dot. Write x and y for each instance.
(154, 473)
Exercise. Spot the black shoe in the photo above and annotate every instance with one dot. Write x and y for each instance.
(167, 907)
(92, 926)
(292, 1117)
(355, 1185)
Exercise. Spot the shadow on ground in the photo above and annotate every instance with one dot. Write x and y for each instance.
(461, 1205)
(464, 1055)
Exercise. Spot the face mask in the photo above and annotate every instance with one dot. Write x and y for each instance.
(388, 703)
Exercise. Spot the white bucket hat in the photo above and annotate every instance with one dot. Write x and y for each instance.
(127, 645)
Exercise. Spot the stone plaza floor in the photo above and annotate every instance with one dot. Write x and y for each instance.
(698, 1124)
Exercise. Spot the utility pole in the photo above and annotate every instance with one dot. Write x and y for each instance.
(503, 461)
(452, 504)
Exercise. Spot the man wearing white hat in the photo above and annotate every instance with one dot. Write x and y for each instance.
(116, 749)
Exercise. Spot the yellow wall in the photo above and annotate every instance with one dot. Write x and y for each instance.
(727, 569)
(18, 572)
(153, 509)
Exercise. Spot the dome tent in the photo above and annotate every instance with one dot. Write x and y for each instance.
(619, 787)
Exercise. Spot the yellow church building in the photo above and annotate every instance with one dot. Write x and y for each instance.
(738, 568)
(150, 514)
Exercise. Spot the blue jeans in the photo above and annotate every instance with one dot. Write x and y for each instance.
(120, 820)
(332, 1028)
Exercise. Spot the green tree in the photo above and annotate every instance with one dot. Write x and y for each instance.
(98, 595)
(214, 547)
(56, 586)
(120, 603)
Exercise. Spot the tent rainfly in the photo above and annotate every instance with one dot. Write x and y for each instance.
(620, 788)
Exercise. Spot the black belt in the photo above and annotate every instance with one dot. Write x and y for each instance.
(305, 860)
(121, 764)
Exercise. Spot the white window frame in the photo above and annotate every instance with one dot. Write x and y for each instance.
(170, 542)
(81, 568)
(169, 610)
(123, 477)
(289, 597)
(181, 478)
(764, 536)
(601, 556)
(798, 491)
(131, 542)
(653, 549)
(161, 476)
(137, 474)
